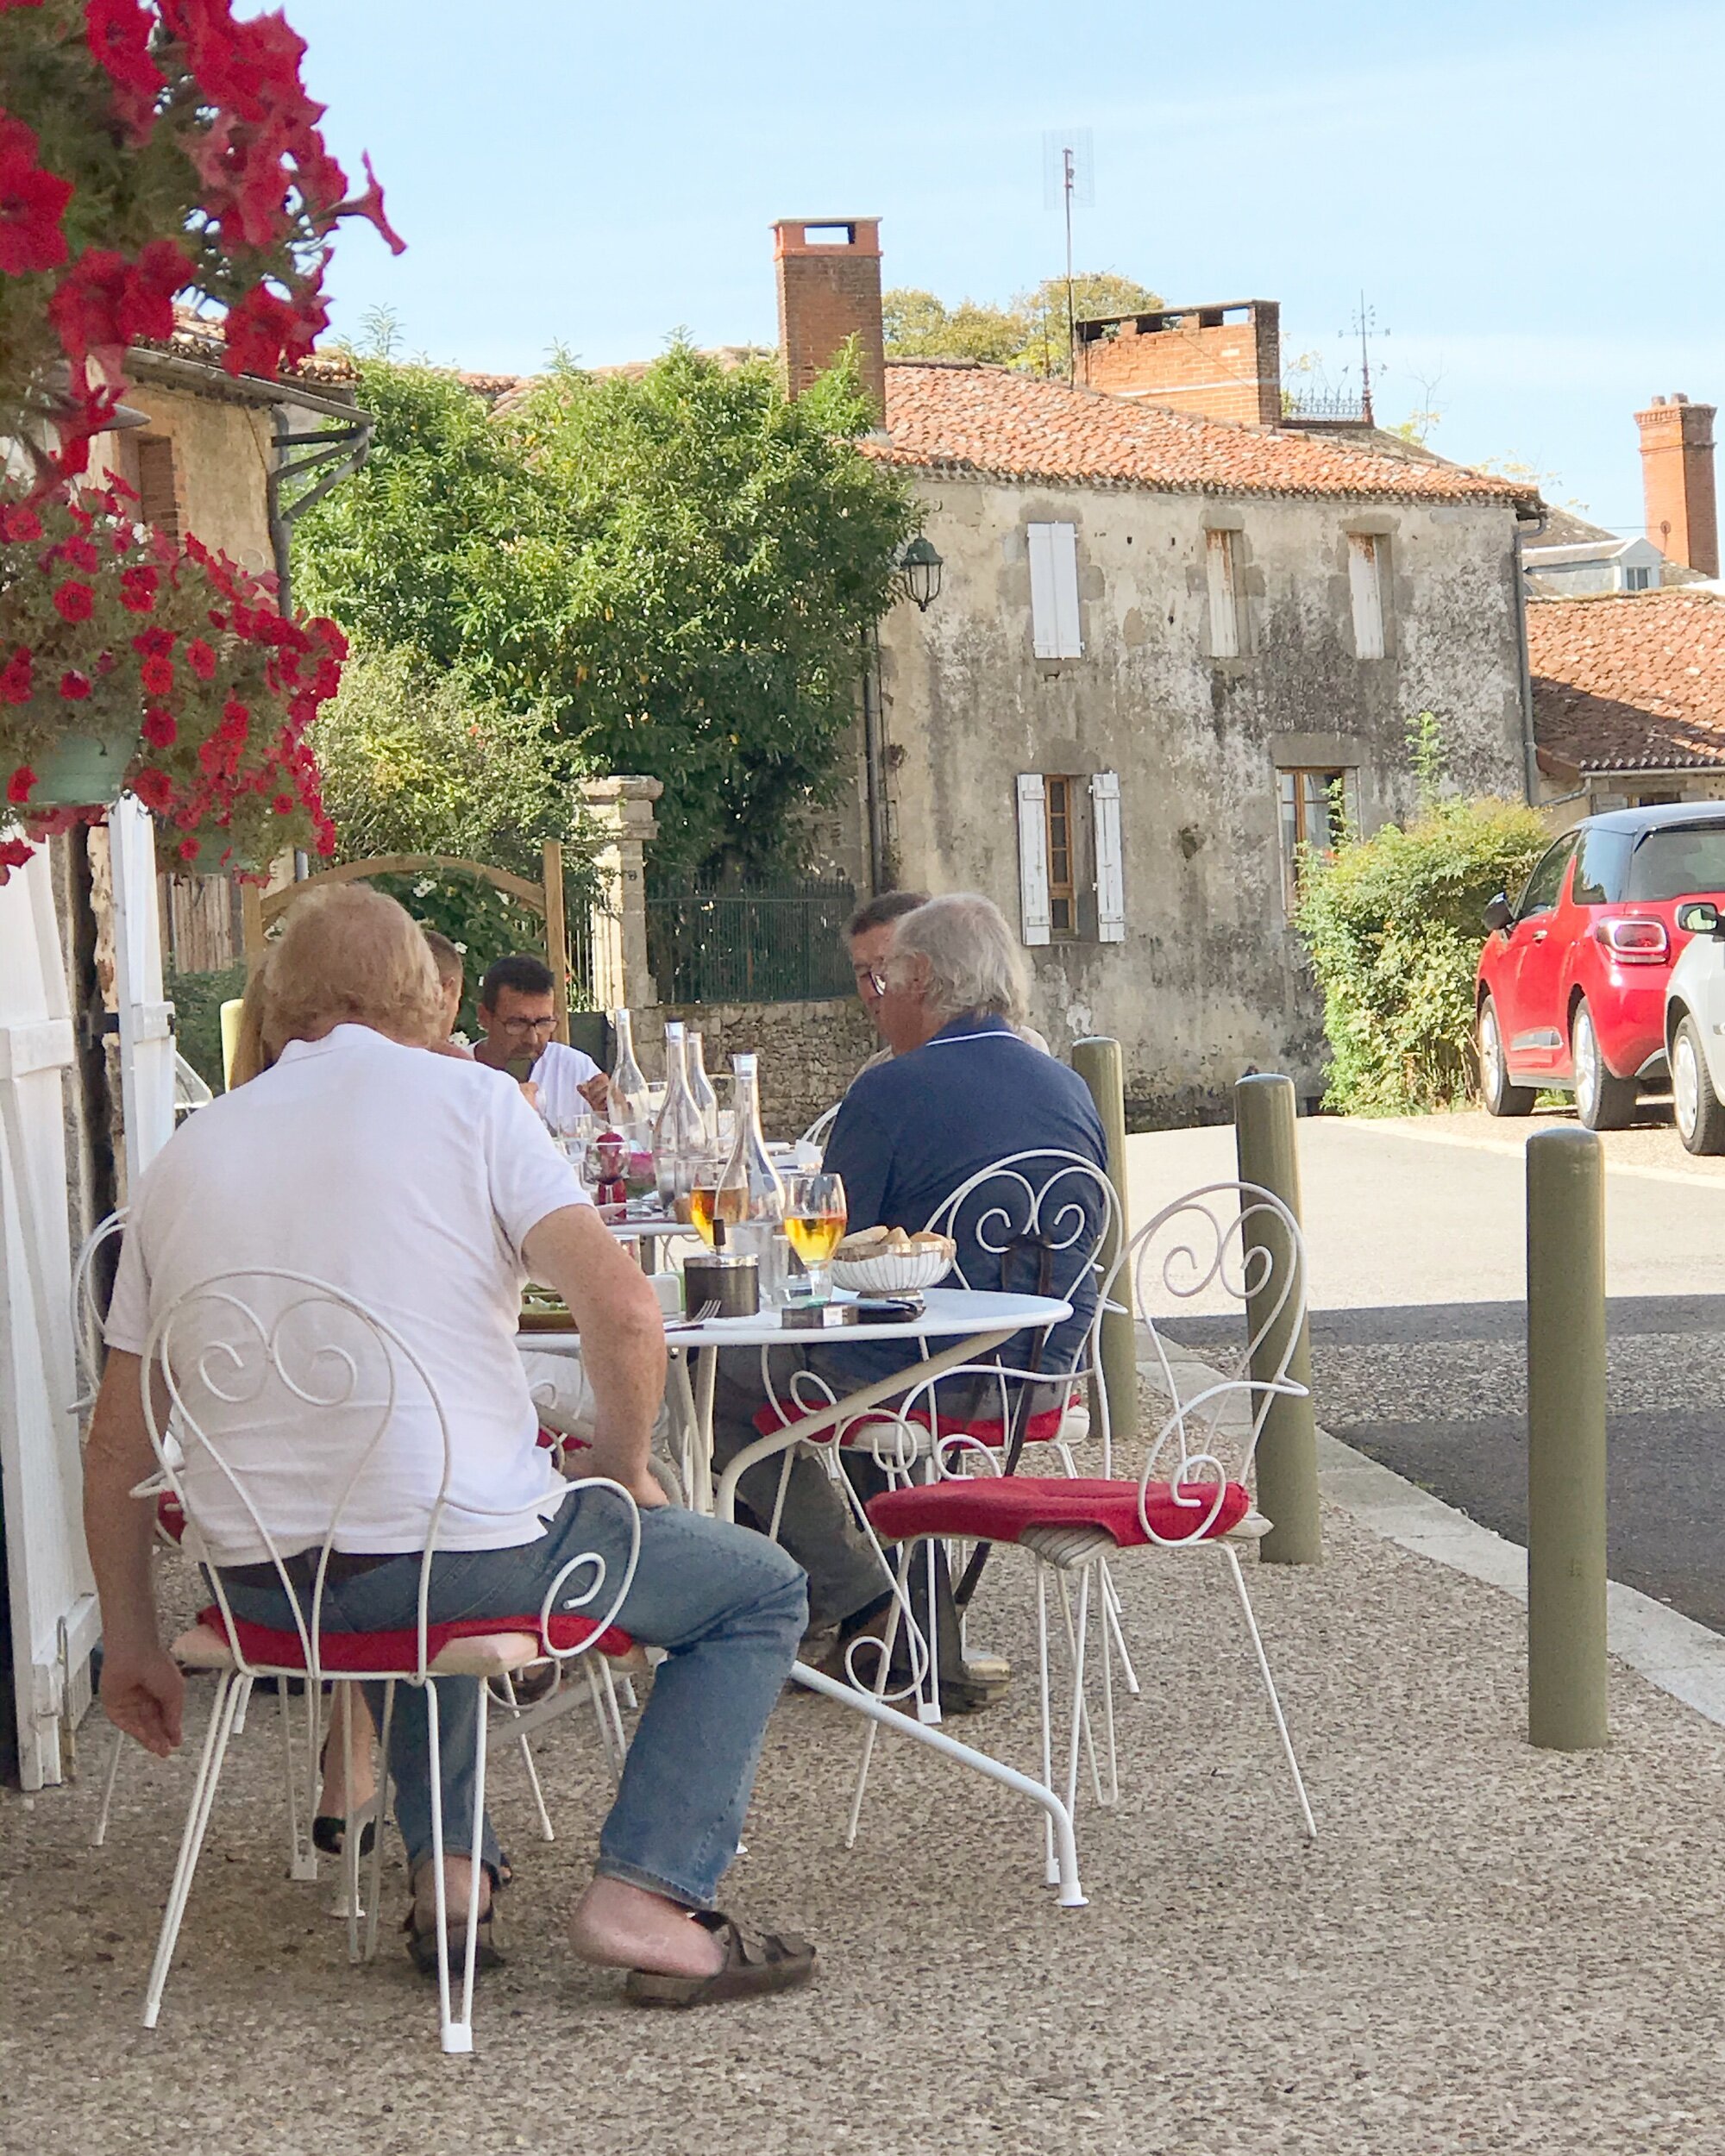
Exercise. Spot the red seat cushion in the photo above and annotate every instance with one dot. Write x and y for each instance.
(990, 1431)
(170, 1517)
(998, 1509)
(398, 1650)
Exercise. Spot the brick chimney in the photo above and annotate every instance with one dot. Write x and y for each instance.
(829, 289)
(1677, 479)
(1219, 362)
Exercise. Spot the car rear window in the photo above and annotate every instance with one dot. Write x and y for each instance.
(1677, 863)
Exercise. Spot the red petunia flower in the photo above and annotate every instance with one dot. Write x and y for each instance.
(259, 329)
(326, 840)
(161, 729)
(74, 685)
(236, 722)
(118, 32)
(153, 788)
(369, 206)
(283, 804)
(74, 601)
(17, 521)
(104, 301)
(15, 677)
(190, 848)
(78, 552)
(153, 643)
(138, 590)
(201, 658)
(18, 785)
(157, 676)
(32, 204)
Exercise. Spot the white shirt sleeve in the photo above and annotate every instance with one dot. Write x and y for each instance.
(127, 1325)
(529, 1177)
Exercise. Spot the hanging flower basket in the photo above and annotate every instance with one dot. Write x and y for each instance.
(151, 148)
(129, 662)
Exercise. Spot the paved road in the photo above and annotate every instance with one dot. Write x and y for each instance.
(1415, 1235)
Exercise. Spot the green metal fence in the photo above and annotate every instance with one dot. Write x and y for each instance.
(775, 944)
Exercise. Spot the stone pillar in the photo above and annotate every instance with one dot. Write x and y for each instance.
(620, 811)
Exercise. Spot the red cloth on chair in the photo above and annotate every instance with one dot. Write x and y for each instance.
(398, 1649)
(986, 1430)
(998, 1509)
(170, 1517)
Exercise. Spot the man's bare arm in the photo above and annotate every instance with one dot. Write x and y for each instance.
(623, 1337)
(141, 1687)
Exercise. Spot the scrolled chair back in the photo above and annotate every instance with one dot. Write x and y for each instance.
(1235, 1245)
(86, 1312)
(240, 1361)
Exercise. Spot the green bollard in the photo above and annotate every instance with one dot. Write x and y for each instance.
(1566, 1672)
(1098, 1061)
(1288, 1449)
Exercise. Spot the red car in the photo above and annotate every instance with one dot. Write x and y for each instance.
(1571, 985)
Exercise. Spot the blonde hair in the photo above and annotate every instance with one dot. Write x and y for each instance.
(349, 956)
(250, 1055)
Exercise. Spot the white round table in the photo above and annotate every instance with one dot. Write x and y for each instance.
(976, 1321)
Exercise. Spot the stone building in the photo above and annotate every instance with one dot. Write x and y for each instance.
(1167, 652)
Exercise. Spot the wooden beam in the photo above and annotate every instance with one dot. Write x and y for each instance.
(520, 887)
(556, 936)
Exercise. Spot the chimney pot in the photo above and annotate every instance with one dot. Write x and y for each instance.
(829, 272)
(1676, 478)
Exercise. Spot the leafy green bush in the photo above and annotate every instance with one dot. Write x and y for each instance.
(1392, 924)
(197, 999)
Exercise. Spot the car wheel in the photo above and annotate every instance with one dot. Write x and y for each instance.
(1603, 1102)
(1700, 1116)
(1498, 1095)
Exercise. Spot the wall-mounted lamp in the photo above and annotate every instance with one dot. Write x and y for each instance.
(918, 569)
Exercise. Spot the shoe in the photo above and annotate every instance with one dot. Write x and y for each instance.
(754, 1963)
(330, 1829)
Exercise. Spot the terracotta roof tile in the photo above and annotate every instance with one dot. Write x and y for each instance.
(971, 420)
(1630, 682)
(200, 337)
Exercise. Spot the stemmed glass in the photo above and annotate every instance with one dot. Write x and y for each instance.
(815, 1216)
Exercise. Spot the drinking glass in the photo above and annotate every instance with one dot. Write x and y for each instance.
(704, 1195)
(815, 1216)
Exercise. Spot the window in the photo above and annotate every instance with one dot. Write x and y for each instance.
(1367, 557)
(1677, 862)
(1599, 871)
(1063, 917)
(1315, 807)
(1056, 876)
(1546, 881)
(158, 490)
(1054, 591)
(1640, 580)
(1222, 567)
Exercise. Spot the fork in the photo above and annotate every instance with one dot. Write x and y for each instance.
(695, 1317)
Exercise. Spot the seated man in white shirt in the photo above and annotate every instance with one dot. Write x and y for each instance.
(517, 1017)
(424, 1190)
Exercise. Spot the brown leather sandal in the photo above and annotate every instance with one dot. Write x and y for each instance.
(754, 1963)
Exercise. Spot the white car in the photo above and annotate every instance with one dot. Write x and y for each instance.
(1695, 1029)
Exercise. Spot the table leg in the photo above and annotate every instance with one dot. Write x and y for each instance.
(697, 1473)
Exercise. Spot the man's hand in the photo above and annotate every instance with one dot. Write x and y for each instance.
(596, 1092)
(143, 1692)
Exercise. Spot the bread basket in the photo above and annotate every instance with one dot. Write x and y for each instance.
(894, 1272)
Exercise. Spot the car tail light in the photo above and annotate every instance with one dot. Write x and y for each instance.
(1635, 942)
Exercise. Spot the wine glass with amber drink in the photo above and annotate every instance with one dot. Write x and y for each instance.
(815, 1215)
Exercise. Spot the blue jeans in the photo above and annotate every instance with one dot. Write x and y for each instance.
(728, 1606)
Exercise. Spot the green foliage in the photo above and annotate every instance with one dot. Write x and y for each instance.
(197, 999)
(1029, 332)
(675, 570)
(1392, 924)
(417, 761)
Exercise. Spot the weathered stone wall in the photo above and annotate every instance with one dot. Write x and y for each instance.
(809, 1051)
(1211, 979)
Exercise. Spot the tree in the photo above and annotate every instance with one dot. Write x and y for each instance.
(1029, 332)
(676, 570)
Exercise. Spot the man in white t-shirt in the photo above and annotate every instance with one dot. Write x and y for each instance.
(517, 1017)
(426, 1191)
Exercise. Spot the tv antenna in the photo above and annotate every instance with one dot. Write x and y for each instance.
(1069, 182)
(1365, 327)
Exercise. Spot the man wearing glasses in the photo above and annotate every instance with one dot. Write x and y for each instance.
(517, 1017)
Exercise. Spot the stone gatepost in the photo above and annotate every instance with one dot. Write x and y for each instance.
(620, 813)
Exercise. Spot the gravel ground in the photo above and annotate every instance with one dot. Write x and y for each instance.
(1486, 1949)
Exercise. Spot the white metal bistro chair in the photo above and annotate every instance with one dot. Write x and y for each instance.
(1192, 1492)
(261, 1340)
(816, 1130)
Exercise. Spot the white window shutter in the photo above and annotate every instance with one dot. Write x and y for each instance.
(1033, 856)
(1224, 636)
(1111, 897)
(1055, 630)
(1365, 588)
(1043, 638)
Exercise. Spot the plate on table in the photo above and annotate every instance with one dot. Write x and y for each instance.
(543, 1312)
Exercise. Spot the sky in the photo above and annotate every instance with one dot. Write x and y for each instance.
(1527, 196)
